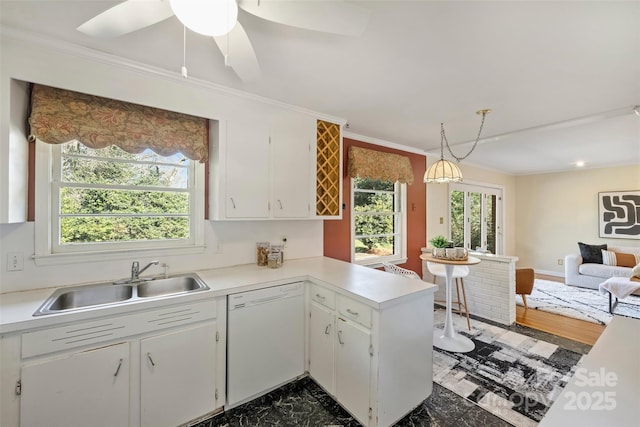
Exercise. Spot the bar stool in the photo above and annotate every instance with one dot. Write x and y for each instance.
(459, 273)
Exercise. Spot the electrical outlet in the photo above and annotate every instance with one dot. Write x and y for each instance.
(15, 261)
(560, 261)
(284, 240)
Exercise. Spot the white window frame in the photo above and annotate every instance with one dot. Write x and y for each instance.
(48, 252)
(484, 190)
(400, 244)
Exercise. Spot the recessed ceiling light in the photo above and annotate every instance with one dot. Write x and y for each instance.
(580, 163)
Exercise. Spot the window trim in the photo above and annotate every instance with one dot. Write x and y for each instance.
(401, 256)
(45, 253)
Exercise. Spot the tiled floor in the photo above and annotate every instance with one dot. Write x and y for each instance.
(303, 403)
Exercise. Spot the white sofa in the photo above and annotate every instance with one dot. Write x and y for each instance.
(591, 275)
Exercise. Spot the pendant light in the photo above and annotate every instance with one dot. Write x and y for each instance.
(444, 171)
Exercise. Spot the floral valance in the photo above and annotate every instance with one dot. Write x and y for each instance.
(373, 164)
(59, 116)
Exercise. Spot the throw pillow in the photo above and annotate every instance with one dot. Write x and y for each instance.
(591, 253)
(626, 260)
(609, 257)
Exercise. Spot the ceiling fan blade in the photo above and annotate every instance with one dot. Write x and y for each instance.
(126, 17)
(239, 54)
(328, 16)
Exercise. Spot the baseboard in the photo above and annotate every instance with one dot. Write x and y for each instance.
(549, 273)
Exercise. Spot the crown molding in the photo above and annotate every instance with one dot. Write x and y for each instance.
(383, 143)
(67, 48)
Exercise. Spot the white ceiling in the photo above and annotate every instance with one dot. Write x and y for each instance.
(420, 63)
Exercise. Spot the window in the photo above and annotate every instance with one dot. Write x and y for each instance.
(378, 221)
(106, 199)
(476, 217)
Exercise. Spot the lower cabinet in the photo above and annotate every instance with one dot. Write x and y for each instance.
(322, 337)
(177, 376)
(155, 368)
(85, 389)
(375, 362)
(353, 368)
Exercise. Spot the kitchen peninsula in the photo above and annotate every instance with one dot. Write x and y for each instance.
(390, 318)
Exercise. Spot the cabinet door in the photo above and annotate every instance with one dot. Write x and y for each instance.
(291, 139)
(85, 389)
(177, 376)
(353, 366)
(321, 346)
(247, 170)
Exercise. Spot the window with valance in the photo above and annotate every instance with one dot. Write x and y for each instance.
(59, 116)
(378, 165)
(119, 176)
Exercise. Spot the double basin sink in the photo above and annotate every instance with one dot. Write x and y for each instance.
(89, 296)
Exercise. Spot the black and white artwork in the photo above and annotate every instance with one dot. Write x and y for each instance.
(619, 214)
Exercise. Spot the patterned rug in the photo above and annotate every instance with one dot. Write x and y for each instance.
(580, 303)
(511, 375)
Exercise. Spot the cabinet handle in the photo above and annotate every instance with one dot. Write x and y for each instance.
(233, 202)
(353, 313)
(340, 337)
(150, 359)
(327, 330)
(320, 297)
(280, 203)
(118, 368)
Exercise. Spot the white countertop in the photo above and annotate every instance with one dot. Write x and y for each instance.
(375, 288)
(605, 390)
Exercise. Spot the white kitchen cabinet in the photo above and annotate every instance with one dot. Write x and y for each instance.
(353, 368)
(261, 166)
(90, 388)
(292, 136)
(246, 170)
(177, 376)
(378, 363)
(99, 372)
(321, 346)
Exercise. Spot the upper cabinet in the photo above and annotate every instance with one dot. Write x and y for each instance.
(292, 137)
(270, 164)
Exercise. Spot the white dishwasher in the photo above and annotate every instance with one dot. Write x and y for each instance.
(265, 340)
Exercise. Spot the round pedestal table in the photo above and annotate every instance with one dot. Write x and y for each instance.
(447, 338)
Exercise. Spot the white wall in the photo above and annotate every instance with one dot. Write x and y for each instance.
(76, 69)
(438, 203)
(555, 211)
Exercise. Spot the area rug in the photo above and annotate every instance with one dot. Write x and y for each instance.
(511, 375)
(580, 303)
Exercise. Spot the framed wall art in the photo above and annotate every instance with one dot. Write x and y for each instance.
(619, 214)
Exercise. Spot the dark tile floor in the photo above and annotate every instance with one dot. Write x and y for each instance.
(303, 403)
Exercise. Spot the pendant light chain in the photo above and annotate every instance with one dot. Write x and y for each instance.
(443, 137)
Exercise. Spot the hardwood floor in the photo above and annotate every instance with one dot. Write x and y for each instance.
(567, 327)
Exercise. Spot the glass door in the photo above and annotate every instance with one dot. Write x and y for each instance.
(476, 217)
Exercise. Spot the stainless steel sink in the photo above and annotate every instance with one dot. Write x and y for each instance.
(83, 297)
(170, 286)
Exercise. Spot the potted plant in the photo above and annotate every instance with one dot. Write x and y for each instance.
(439, 242)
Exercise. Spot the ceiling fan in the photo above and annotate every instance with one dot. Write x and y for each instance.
(330, 16)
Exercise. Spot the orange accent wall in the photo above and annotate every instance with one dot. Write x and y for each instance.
(337, 233)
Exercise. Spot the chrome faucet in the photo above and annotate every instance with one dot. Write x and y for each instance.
(136, 271)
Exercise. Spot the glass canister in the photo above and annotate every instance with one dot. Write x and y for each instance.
(262, 250)
(274, 260)
(277, 249)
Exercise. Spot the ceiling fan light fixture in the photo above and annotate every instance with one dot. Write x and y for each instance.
(206, 17)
